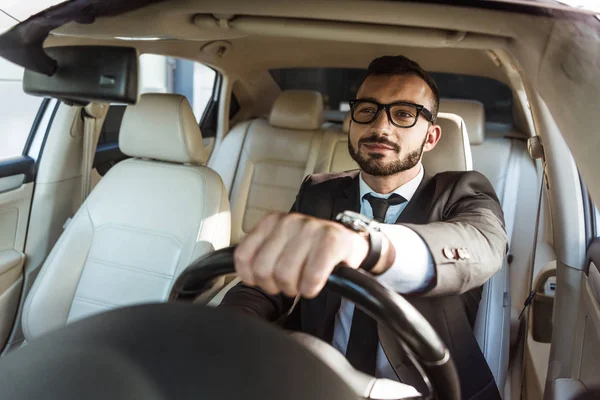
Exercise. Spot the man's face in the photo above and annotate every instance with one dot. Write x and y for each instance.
(382, 149)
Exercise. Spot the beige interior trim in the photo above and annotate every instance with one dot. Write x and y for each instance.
(11, 269)
(564, 192)
(9, 259)
(351, 32)
(567, 307)
(11, 182)
(515, 74)
(594, 281)
(9, 302)
(591, 305)
(14, 213)
(56, 198)
(172, 18)
(567, 389)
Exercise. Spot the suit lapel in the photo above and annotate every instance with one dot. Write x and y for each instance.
(348, 199)
(417, 209)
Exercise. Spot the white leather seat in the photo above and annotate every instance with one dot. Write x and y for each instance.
(264, 162)
(500, 160)
(144, 222)
(452, 152)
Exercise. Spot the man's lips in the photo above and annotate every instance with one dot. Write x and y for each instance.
(377, 146)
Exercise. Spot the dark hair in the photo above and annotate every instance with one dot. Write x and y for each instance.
(400, 65)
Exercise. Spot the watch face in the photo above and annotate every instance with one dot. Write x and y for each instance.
(355, 221)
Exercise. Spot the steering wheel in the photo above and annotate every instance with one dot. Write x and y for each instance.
(419, 340)
(164, 351)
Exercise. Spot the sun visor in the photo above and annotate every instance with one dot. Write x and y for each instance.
(23, 43)
(88, 73)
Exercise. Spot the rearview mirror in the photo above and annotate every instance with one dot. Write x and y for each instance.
(88, 73)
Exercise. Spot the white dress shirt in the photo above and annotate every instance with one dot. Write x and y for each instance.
(411, 271)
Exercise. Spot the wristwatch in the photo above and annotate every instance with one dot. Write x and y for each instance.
(367, 228)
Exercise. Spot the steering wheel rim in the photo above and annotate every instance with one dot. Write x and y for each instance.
(420, 341)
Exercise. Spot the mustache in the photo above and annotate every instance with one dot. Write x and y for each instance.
(376, 139)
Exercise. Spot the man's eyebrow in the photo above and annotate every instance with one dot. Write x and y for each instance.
(368, 99)
(393, 102)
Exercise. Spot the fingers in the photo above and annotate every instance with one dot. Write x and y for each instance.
(292, 260)
(295, 253)
(335, 244)
(249, 245)
(265, 262)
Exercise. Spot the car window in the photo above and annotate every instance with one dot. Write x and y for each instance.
(339, 85)
(161, 74)
(17, 110)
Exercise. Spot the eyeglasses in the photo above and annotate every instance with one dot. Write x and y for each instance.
(401, 114)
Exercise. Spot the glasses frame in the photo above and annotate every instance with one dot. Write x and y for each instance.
(420, 110)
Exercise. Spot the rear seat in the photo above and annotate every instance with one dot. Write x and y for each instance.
(263, 163)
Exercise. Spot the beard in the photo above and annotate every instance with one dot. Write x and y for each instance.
(372, 163)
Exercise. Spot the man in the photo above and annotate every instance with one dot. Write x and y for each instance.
(441, 237)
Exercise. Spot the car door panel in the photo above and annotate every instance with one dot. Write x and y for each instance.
(16, 191)
(586, 353)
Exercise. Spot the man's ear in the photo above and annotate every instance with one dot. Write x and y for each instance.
(434, 133)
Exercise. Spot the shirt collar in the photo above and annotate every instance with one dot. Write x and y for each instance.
(407, 190)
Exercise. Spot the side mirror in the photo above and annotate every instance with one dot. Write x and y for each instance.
(88, 73)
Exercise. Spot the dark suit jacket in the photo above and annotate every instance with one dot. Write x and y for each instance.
(459, 217)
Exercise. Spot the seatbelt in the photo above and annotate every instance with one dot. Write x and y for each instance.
(531, 295)
(536, 151)
(90, 113)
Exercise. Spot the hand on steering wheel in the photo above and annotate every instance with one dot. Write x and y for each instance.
(296, 253)
(422, 344)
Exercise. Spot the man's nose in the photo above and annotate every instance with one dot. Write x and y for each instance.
(381, 124)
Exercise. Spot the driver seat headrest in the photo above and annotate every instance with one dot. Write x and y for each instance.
(162, 127)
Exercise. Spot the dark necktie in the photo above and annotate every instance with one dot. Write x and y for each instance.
(363, 340)
(381, 205)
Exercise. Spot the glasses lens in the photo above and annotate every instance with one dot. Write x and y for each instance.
(403, 114)
(364, 112)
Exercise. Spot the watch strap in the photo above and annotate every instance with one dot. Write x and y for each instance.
(375, 243)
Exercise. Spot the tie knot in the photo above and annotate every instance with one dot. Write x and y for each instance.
(380, 205)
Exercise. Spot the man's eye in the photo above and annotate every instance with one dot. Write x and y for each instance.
(366, 110)
(402, 114)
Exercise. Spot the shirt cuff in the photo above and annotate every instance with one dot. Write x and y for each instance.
(413, 267)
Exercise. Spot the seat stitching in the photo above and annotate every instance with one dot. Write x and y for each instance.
(95, 302)
(85, 260)
(139, 230)
(130, 268)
